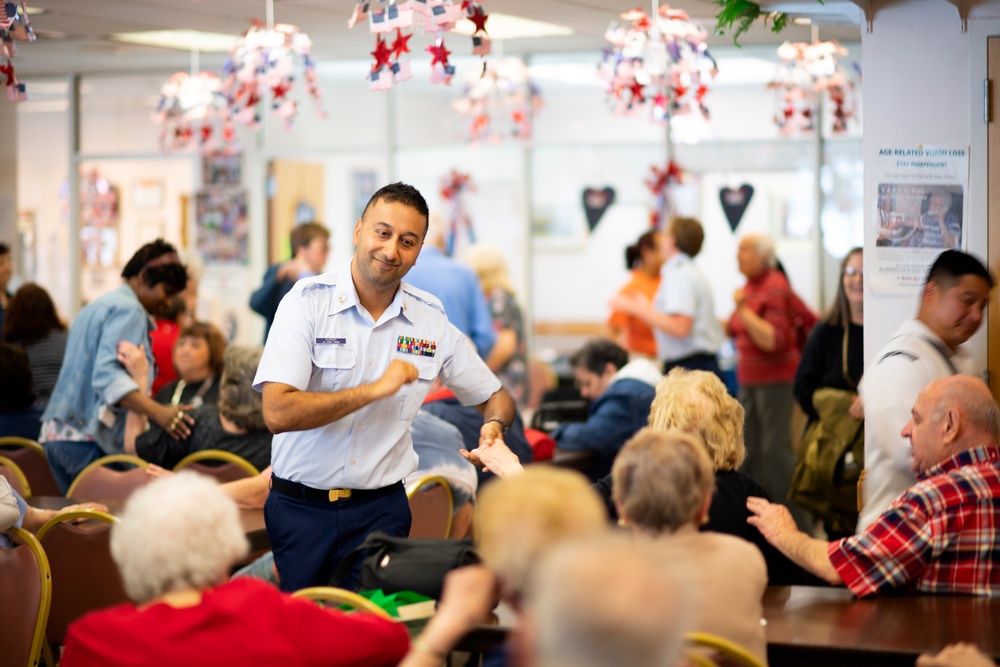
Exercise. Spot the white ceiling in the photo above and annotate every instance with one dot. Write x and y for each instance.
(72, 34)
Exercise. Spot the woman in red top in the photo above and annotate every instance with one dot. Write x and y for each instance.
(176, 542)
(645, 259)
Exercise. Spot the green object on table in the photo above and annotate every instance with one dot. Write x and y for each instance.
(391, 603)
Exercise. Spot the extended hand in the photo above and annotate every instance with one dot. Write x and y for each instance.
(174, 420)
(496, 457)
(133, 358)
(771, 519)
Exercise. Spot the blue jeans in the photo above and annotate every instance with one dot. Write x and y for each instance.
(67, 458)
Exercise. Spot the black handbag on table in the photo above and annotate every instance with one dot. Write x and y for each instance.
(396, 564)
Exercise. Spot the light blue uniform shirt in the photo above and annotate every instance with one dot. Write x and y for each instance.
(323, 339)
(684, 291)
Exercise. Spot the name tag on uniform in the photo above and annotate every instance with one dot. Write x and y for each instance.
(416, 346)
(331, 341)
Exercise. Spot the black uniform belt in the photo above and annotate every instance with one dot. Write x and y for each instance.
(297, 490)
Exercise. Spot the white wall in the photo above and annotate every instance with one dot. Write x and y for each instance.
(917, 49)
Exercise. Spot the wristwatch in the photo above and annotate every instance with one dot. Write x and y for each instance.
(503, 424)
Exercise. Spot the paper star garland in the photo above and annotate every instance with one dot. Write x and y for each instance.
(500, 103)
(658, 185)
(439, 54)
(401, 44)
(807, 71)
(663, 58)
(382, 53)
(193, 106)
(265, 59)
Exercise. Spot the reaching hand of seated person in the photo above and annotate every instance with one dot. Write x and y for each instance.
(495, 457)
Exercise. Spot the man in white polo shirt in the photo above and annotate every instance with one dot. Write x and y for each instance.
(347, 364)
(924, 349)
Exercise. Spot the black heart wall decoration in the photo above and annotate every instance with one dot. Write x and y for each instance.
(595, 202)
(735, 202)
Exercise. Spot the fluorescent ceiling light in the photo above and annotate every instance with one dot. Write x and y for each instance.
(184, 40)
(506, 26)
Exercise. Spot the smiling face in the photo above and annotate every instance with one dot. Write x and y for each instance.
(387, 239)
(955, 313)
(854, 282)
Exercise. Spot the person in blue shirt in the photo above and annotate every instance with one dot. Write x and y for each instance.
(621, 392)
(457, 287)
(86, 416)
(310, 247)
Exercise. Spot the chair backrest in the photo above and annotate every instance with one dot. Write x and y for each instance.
(720, 651)
(97, 482)
(222, 465)
(13, 473)
(30, 456)
(84, 576)
(431, 505)
(340, 596)
(26, 592)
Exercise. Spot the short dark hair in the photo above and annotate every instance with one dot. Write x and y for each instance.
(171, 273)
(597, 353)
(688, 235)
(952, 265)
(15, 390)
(633, 253)
(4, 248)
(404, 194)
(31, 316)
(302, 235)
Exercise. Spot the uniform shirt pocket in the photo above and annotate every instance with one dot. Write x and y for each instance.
(411, 396)
(334, 366)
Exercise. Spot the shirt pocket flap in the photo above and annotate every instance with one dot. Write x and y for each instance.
(426, 368)
(334, 357)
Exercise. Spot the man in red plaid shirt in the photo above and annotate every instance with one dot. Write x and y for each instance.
(941, 535)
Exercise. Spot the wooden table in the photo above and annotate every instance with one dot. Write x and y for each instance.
(252, 521)
(829, 626)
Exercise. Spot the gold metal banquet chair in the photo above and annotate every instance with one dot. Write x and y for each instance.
(431, 504)
(720, 652)
(13, 474)
(26, 591)
(98, 482)
(217, 463)
(29, 455)
(84, 576)
(340, 596)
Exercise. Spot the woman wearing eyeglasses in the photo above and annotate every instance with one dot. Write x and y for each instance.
(834, 353)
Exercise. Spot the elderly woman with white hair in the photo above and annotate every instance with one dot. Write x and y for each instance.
(175, 544)
(235, 425)
(766, 326)
(663, 483)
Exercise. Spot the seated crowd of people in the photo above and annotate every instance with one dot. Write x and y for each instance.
(366, 384)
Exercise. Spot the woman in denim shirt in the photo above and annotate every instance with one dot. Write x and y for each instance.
(85, 418)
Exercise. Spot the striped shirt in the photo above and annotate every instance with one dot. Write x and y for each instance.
(940, 536)
(46, 358)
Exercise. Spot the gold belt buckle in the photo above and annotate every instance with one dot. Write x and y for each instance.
(338, 494)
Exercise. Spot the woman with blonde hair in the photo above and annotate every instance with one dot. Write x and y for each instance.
(663, 482)
(697, 403)
(509, 356)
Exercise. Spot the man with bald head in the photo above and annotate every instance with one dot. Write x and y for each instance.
(941, 535)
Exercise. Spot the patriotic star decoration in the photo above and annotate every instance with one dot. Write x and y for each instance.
(439, 54)
(479, 18)
(381, 54)
(280, 89)
(401, 44)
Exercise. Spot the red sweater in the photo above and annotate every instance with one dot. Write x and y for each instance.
(244, 622)
(770, 297)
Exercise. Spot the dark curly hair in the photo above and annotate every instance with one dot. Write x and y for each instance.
(168, 271)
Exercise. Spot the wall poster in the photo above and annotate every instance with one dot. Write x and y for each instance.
(919, 211)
